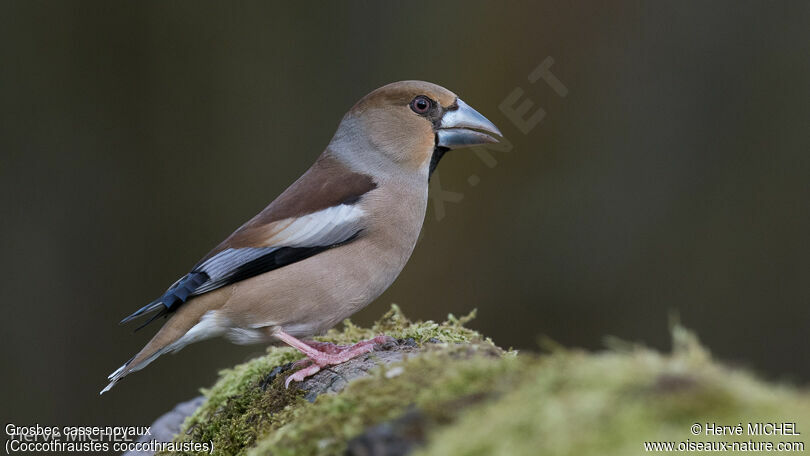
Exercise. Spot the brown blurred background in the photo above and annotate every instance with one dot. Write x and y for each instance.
(672, 177)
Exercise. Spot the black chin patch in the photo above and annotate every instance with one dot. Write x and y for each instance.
(438, 153)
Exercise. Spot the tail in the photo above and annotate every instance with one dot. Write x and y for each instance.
(177, 294)
(137, 362)
(191, 323)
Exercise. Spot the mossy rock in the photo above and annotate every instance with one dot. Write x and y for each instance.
(445, 389)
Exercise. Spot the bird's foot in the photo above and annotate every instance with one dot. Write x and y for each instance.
(325, 347)
(324, 354)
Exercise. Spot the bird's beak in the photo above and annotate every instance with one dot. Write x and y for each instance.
(464, 127)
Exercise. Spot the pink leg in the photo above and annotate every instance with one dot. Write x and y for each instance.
(323, 354)
(326, 347)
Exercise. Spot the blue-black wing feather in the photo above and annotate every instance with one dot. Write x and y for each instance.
(173, 297)
(198, 281)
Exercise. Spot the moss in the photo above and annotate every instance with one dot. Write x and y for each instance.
(475, 399)
(325, 426)
(395, 324)
(242, 408)
(577, 403)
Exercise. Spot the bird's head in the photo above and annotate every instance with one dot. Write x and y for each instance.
(412, 124)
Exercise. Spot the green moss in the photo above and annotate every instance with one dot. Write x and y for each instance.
(325, 426)
(476, 399)
(395, 324)
(577, 403)
(241, 408)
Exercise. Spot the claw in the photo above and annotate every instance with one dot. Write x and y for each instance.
(304, 362)
(302, 374)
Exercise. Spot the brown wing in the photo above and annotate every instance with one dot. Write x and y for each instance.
(327, 183)
(316, 213)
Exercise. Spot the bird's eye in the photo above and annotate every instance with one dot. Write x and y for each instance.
(420, 105)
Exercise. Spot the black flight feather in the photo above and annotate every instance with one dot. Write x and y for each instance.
(184, 289)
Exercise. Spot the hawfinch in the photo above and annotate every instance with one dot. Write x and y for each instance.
(329, 244)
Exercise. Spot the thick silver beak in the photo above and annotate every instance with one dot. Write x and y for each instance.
(464, 127)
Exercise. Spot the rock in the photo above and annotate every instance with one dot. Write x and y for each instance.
(397, 437)
(167, 427)
(335, 378)
(330, 380)
(445, 389)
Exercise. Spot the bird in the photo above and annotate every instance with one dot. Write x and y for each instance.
(329, 244)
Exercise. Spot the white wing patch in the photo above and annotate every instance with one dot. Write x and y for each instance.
(326, 227)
